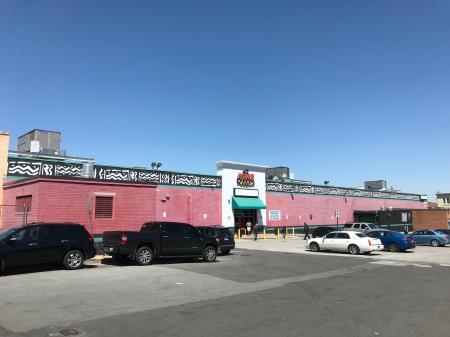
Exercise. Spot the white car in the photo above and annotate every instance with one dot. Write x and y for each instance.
(362, 227)
(345, 241)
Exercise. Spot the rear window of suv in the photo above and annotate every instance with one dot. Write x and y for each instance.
(77, 231)
(222, 232)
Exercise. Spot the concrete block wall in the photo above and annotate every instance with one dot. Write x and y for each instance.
(197, 206)
(66, 201)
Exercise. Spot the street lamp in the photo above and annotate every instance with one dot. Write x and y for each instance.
(156, 165)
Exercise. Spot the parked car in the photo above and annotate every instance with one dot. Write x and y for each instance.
(360, 226)
(342, 241)
(46, 243)
(322, 231)
(430, 237)
(160, 240)
(223, 236)
(393, 241)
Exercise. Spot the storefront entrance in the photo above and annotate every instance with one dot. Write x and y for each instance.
(241, 216)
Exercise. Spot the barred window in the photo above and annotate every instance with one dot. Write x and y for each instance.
(103, 207)
(23, 202)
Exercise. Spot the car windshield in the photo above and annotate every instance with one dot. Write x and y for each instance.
(361, 235)
(6, 232)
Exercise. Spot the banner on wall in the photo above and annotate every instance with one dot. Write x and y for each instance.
(274, 214)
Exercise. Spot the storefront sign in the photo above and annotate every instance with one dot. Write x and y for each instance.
(244, 192)
(404, 217)
(246, 179)
(274, 214)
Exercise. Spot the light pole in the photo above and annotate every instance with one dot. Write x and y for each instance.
(337, 217)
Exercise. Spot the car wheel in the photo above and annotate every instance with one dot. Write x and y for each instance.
(210, 254)
(226, 252)
(144, 256)
(314, 246)
(73, 260)
(353, 249)
(435, 243)
(393, 247)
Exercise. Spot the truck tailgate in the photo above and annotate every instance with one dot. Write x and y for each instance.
(111, 239)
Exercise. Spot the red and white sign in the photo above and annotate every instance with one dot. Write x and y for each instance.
(246, 179)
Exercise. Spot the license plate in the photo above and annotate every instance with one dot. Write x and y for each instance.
(108, 249)
(225, 239)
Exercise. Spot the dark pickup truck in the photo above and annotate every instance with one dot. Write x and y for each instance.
(160, 240)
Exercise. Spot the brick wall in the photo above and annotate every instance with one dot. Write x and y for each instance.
(429, 219)
(66, 201)
(11, 218)
(322, 208)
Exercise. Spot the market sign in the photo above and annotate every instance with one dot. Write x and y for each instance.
(274, 214)
(246, 192)
(246, 179)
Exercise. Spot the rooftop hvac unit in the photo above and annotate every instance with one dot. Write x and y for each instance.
(34, 146)
(87, 171)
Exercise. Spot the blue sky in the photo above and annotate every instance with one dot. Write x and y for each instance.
(344, 91)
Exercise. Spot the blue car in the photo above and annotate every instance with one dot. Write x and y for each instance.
(393, 241)
(433, 238)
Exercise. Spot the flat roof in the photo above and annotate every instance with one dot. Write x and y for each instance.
(26, 133)
(232, 164)
(47, 156)
(73, 180)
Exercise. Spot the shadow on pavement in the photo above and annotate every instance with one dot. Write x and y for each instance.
(167, 261)
(38, 269)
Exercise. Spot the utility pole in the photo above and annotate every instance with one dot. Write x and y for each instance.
(337, 217)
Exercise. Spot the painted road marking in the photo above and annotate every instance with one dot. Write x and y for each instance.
(401, 264)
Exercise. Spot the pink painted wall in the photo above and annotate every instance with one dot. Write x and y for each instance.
(323, 208)
(65, 201)
(189, 205)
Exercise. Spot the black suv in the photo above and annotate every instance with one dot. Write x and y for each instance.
(322, 231)
(222, 235)
(46, 243)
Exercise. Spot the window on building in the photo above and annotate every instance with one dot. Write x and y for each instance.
(23, 203)
(104, 207)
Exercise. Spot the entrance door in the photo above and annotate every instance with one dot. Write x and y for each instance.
(241, 216)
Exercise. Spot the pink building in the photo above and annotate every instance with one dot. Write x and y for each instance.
(124, 198)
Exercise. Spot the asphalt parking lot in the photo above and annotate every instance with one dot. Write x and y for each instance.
(248, 293)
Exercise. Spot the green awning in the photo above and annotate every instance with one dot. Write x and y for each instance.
(247, 203)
